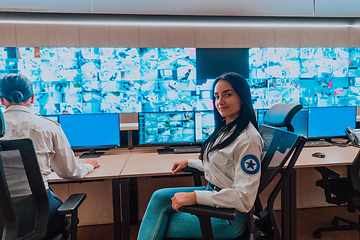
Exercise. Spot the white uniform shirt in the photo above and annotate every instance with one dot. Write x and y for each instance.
(236, 169)
(51, 145)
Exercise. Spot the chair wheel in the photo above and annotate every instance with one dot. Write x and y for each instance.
(335, 222)
(317, 234)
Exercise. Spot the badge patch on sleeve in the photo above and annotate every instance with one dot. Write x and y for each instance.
(250, 164)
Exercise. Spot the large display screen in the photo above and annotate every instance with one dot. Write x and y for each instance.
(314, 77)
(327, 122)
(166, 128)
(172, 128)
(86, 131)
(109, 80)
(70, 80)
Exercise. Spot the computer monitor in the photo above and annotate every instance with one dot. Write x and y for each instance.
(204, 125)
(167, 128)
(299, 121)
(328, 122)
(91, 132)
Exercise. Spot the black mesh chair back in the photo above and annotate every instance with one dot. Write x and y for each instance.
(24, 206)
(354, 173)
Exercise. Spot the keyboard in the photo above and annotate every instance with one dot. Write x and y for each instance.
(177, 150)
(317, 143)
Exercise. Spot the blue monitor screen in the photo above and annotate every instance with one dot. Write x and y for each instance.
(86, 131)
(204, 125)
(299, 121)
(166, 128)
(330, 121)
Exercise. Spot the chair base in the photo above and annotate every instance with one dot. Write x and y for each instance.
(351, 225)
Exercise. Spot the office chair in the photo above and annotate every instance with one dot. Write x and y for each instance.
(281, 150)
(341, 191)
(26, 217)
(281, 114)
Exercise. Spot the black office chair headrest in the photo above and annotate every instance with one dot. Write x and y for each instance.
(281, 114)
(2, 124)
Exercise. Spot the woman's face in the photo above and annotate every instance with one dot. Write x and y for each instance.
(227, 102)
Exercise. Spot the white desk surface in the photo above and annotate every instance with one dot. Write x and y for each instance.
(334, 156)
(145, 161)
(111, 163)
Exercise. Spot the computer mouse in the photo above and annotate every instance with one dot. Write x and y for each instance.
(318, 154)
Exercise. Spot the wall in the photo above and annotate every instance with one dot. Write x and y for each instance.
(57, 35)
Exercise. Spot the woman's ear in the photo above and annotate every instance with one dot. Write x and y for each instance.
(2, 101)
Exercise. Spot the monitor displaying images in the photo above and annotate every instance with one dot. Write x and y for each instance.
(314, 77)
(204, 125)
(166, 128)
(327, 122)
(70, 80)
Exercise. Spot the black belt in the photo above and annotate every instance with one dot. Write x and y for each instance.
(216, 188)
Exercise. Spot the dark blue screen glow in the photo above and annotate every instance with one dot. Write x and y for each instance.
(91, 130)
(330, 121)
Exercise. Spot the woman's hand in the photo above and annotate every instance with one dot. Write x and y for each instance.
(178, 166)
(183, 199)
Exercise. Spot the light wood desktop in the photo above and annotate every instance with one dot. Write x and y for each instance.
(98, 202)
(111, 164)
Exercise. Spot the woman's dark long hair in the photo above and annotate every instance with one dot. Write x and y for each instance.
(246, 114)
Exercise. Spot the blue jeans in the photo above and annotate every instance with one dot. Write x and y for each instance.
(161, 220)
(55, 220)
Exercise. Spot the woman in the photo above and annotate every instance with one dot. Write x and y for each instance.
(231, 164)
(51, 145)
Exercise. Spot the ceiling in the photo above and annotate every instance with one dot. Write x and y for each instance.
(257, 8)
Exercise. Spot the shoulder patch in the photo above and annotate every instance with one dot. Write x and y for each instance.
(250, 164)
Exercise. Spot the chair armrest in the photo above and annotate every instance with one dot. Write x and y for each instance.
(207, 211)
(327, 173)
(192, 170)
(71, 204)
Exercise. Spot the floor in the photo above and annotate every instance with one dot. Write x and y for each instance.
(308, 221)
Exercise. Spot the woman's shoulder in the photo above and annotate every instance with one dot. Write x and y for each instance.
(250, 133)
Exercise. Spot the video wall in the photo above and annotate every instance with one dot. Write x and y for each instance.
(124, 80)
(314, 77)
(109, 80)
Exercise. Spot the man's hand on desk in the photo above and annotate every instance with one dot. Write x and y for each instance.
(93, 162)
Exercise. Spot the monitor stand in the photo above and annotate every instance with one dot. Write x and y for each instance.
(165, 150)
(91, 154)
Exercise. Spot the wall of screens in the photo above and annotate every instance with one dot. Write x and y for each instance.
(314, 77)
(127, 80)
(108, 80)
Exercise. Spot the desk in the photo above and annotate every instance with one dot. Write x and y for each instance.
(334, 156)
(111, 163)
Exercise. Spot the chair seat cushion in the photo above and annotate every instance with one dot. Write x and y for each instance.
(343, 190)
